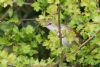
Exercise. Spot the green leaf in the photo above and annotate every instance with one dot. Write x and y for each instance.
(36, 6)
(4, 63)
(39, 38)
(15, 49)
(96, 41)
(15, 29)
(95, 19)
(70, 57)
(57, 1)
(4, 54)
(20, 2)
(4, 41)
(14, 19)
(5, 3)
(11, 58)
(52, 9)
(50, 1)
(29, 29)
(10, 12)
(85, 2)
(97, 56)
(25, 48)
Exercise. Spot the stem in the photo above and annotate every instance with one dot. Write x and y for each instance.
(4, 15)
(89, 39)
(84, 43)
(60, 37)
(28, 19)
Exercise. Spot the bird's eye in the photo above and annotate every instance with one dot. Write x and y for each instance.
(48, 23)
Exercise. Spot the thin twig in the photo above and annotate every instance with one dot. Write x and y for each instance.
(4, 15)
(89, 39)
(84, 43)
(27, 3)
(27, 19)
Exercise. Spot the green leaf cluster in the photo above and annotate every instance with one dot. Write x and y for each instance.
(26, 42)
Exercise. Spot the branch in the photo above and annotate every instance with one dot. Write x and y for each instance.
(59, 26)
(27, 19)
(4, 15)
(84, 43)
(89, 39)
(27, 3)
(60, 36)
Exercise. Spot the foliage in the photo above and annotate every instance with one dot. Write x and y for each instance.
(26, 42)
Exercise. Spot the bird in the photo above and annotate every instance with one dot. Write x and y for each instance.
(54, 28)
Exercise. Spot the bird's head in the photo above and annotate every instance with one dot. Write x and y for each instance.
(51, 26)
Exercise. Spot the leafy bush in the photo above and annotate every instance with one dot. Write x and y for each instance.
(26, 42)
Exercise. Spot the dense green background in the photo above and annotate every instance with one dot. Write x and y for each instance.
(25, 42)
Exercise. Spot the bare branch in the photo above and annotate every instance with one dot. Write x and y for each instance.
(84, 43)
(27, 3)
(27, 19)
(89, 39)
(60, 36)
(4, 15)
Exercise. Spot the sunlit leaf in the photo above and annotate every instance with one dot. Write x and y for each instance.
(11, 58)
(20, 2)
(36, 6)
(4, 54)
(29, 29)
(50, 1)
(10, 12)
(52, 9)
